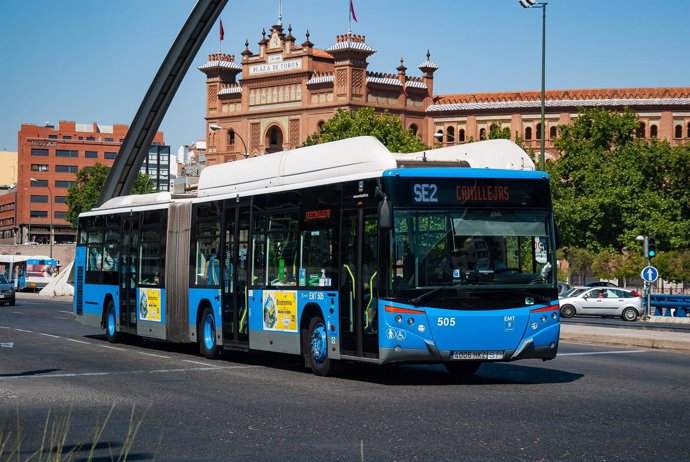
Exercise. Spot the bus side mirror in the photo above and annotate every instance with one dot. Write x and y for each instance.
(385, 214)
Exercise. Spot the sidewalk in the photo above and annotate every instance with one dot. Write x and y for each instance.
(639, 338)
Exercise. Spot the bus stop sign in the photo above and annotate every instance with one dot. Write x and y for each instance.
(650, 274)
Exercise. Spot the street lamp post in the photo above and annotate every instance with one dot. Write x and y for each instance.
(50, 236)
(216, 127)
(542, 5)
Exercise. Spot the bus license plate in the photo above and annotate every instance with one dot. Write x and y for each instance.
(476, 355)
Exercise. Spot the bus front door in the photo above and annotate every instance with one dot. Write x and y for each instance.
(359, 283)
(234, 274)
(128, 272)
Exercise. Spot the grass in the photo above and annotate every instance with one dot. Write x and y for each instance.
(53, 446)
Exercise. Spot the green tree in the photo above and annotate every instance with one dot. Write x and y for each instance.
(86, 191)
(609, 186)
(366, 122)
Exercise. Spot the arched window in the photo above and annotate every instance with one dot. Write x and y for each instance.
(553, 133)
(439, 136)
(482, 134)
(231, 137)
(687, 134)
(450, 134)
(679, 131)
(528, 133)
(318, 126)
(641, 130)
(413, 129)
(653, 131)
(538, 133)
(274, 139)
(461, 134)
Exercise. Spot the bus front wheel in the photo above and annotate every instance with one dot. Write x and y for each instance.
(111, 323)
(317, 349)
(207, 335)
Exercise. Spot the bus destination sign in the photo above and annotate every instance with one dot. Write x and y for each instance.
(493, 192)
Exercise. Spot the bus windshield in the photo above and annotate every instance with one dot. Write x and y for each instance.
(470, 248)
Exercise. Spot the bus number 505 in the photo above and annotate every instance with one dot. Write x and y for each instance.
(446, 322)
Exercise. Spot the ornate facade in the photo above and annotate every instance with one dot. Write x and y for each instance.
(273, 99)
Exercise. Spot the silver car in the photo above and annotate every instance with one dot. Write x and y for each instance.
(603, 301)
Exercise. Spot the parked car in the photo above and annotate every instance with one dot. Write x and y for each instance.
(600, 284)
(6, 291)
(563, 287)
(602, 301)
(573, 291)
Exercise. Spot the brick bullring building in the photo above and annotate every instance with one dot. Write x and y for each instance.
(273, 99)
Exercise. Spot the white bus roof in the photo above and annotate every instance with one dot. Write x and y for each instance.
(350, 159)
(499, 154)
(155, 200)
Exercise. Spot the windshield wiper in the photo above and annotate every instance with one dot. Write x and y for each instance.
(416, 300)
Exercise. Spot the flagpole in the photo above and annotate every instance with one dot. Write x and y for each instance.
(349, 15)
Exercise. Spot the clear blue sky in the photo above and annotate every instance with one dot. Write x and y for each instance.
(92, 61)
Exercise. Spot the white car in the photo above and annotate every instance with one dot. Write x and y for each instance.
(603, 301)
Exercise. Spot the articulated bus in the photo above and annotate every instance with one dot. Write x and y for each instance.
(339, 252)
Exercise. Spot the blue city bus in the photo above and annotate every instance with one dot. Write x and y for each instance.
(339, 252)
(13, 267)
(40, 271)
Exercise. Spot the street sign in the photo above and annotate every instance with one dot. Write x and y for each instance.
(650, 274)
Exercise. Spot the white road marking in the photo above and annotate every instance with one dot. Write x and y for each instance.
(49, 335)
(77, 341)
(101, 374)
(604, 352)
(58, 317)
(66, 312)
(4, 327)
(18, 312)
(23, 330)
(111, 347)
(199, 362)
(154, 355)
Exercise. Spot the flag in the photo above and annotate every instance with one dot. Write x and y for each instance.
(222, 32)
(352, 11)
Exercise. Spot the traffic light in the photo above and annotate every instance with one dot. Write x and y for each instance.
(650, 248)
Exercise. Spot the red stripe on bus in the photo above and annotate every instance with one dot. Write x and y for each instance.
(393, 309)
(547, 308)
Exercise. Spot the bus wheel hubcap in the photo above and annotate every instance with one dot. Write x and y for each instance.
(318, 343)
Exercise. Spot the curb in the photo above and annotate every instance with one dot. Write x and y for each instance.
(671, 341)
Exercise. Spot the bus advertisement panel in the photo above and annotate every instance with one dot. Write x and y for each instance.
(40, 271)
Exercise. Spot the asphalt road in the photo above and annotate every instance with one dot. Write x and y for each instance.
(159, 401)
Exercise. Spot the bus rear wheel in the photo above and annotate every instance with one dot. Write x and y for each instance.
(462, 368)
(111, 323)
(317, 349)
(206, 333)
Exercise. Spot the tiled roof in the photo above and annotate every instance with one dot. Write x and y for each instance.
(320, 79)
(415, 84)
(319, 53)
(561, 98)
(350, 45)
(221, 64)
(230, 90)
(383, 80)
